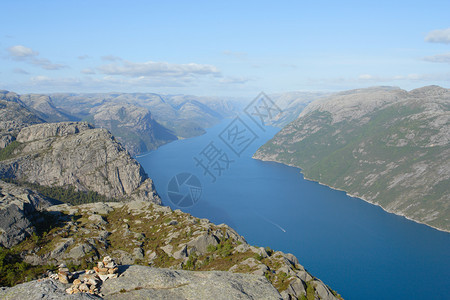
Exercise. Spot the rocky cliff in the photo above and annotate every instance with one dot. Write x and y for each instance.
(144, 233)
(132, 125)
(76, 154)
(19, 212)
(385, 145)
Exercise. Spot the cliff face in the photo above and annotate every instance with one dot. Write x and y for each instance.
(70, 153)
(385, 145)
(19, 212)
(132, 125)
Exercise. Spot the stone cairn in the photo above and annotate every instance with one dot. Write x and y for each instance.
(90, 281)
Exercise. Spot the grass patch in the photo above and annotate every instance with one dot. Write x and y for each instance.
(8, 151)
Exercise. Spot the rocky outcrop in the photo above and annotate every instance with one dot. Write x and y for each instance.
(385, 145)
(140, 232)
(132, 125)
(76, 154)
(19, 211)
(141, 282)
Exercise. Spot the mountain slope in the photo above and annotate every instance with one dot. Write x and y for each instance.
(75, 154)
(42, 106)
(185, 116)
(132, 125)
(385, 145)
(13, 117)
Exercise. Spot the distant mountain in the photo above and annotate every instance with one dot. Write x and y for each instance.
(43, 106)
(14, 116)
(292, 104)
(133, 126)
(167, 116)
(385, 145)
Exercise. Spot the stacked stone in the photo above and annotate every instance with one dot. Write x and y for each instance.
(64, 275)
(89, 283)
(107, 269)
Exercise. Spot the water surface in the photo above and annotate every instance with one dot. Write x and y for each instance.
(355, 247)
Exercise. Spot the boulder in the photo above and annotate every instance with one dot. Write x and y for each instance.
(140, 282)
(201, 243)
(19, 210)
(40, 289)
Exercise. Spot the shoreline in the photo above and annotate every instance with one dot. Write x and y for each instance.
(353, 196)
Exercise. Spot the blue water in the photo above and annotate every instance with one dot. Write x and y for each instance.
(355, 247)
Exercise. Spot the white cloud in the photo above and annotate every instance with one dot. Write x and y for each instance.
(84, 56)
(154, 69)
(88, 71)
(22, 53)
(366, 77)
(46, 64)
(20, 71)
(439, 36)
(439, 58)
(410, 77)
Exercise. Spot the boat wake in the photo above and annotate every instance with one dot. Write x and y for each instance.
(271, 222)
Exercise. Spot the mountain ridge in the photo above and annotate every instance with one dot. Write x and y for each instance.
(386, 146)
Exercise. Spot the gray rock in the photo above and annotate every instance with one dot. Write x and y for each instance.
(167, 249)
(138, 253)
(182, 253)
(201, 243)
(5, 140)
(80, 250)
(322, 291)
(19, 209)
(97, 220)
(98, 208)
(40, 289)
(122, 257)
(141, 282)
(59, 250)
(71, 153)
(296, 288)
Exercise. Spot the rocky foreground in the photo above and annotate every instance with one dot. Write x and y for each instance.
(141, 282)
(149, 235)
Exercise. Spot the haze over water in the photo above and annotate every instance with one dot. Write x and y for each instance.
(356, 248)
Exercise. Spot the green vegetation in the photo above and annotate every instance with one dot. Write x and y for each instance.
(190, 264)
(14, 270)
(151, 230)
(373, 158)
(8, 151)
(64, 194)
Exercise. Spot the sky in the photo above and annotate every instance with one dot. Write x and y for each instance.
(222, 48)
